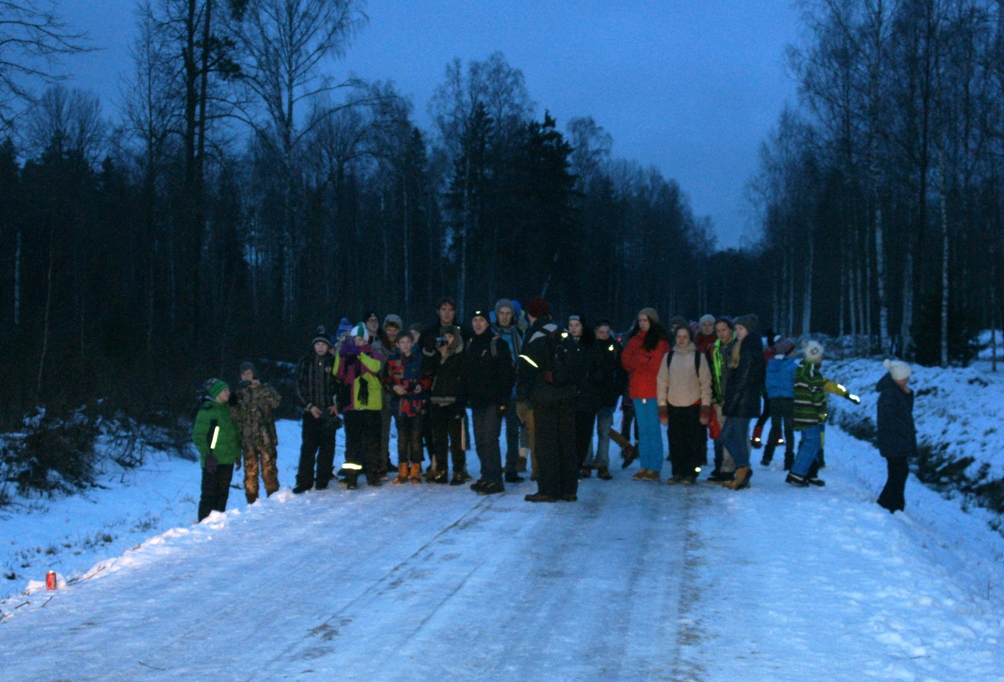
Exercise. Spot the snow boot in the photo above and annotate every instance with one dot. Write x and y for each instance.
(796, 480)
(756, 442)
(585, 472)
(813, 477)
(741, 480)
(415, 475)
(513, 477)
(674, 479)
(441, 477)
(630, 454)
(603, 473)
(477, 485)
(491, 489)
(402, 473)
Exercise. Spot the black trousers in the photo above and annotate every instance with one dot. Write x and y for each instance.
(409, 439)
(447, 434)
(511, 437)
(892, 494)
(318, 439)
(487, 430)
(765, 415)
(782, 412)
(557, 462)
(362, 443)
(585, 424)
(215, 489)
(687, 442)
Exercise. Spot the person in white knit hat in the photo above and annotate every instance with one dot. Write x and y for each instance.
(897, 436)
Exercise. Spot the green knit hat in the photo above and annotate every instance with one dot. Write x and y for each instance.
(214, 387)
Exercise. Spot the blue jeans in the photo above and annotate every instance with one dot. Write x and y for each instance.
(646, 411)
(600, 455)
(736, 439)
(808, 450)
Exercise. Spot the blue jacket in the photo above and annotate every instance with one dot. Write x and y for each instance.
(781, 377)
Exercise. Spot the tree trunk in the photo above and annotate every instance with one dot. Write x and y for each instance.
(407, 256)
(17, 281)
(45, 325)
(944, 274)
(807, 290)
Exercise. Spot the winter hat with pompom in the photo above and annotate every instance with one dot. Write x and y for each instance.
(813, 351)
(359, 331)
(897, 370)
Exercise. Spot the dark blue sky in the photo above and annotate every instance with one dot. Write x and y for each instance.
(690, 86)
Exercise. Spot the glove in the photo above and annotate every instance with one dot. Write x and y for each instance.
(210, 464)
(705, 414)
(663, 415)
(854, 399)
(349, 349)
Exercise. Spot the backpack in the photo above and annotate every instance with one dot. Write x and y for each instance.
(697, 361)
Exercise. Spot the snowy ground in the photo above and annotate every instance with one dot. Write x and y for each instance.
(635, 581)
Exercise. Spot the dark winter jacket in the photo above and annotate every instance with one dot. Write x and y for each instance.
(546, 368)
(409, 372)
(513, 336)
(720, 369)
(586, 367)
(213, 422)
(431, 333)
(489, 373)
(611, 377)
(315, 383)
(447, 374)
(746, 380)
(781, 377)
(897, 436)
(528, 370)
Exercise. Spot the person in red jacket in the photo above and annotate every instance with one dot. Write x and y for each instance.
(643, 356)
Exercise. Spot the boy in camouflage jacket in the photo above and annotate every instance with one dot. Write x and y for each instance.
(255, 403)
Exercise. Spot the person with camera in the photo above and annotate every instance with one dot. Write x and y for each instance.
(315, 391)
(255, 403)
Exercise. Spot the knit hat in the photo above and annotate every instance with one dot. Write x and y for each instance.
(813, 351)
(482, 314)
(359, 330)
(505, 303)
(749, 321)
(650, 313)
(321, 334)
(213, 387)
(245, 366)
(344, 327)
(784, 346)
(897, 370)
(706, 318)
(727, 320)
(393, 319)
(538, 308)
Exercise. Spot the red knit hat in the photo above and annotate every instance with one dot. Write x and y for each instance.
(538, 308)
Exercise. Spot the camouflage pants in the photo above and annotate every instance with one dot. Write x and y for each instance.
(266, 456)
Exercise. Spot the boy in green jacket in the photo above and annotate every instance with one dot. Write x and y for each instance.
(218, 442)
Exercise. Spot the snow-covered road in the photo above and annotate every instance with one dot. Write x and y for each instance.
(636, 581)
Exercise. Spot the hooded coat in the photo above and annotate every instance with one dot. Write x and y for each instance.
(897, 435)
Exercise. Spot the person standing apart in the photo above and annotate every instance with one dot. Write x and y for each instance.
(315, 391)
(897, 435)
(743, 390)
(218, 443)
(646, 347)
(684, 398)
(255, 404)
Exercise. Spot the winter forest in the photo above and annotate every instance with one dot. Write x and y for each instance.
(243, 189)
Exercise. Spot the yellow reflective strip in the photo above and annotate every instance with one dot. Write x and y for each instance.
(216, 434)
(530, 361)
(352, 467)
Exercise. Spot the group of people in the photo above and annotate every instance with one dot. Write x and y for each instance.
(554, 387)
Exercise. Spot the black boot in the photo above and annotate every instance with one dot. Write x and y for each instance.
(813, 477)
